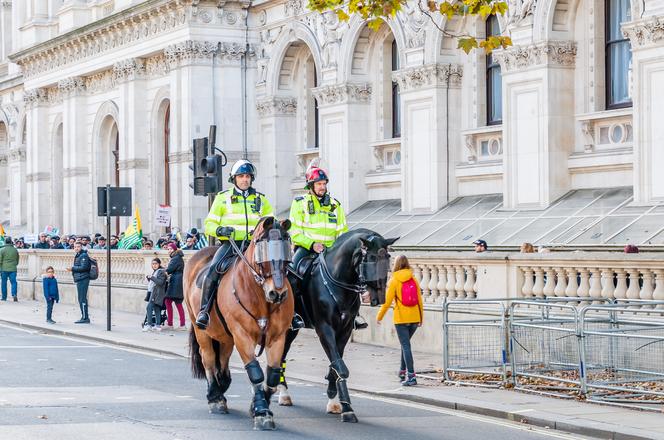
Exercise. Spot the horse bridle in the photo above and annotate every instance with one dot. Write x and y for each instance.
(366, 270)
(272, 249)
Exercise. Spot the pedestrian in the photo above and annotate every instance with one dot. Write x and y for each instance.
(147, 246)
(527, 248)
(405, 292)
(114, 242)
(71, 241)
(81, 273)
(8, 268)
(480, 246)
(51, 292)
(156, 296)
(175, 293)
(20, 244)
(190, 243)
(101, 243)
(85, 243)
(55, 243)
(43, 242)
(631, 249)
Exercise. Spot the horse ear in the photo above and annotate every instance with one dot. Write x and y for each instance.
(390, 241)
(268, 222)
(286, 224)
(366, 243)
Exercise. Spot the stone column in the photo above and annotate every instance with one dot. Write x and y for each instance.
(77, 157)
(427, 92)
(344, 139)
(192, 111)
(16, 165)
(6, 29)
(538, 122)
(647, 38)
(277, 139)
(38, 156)
(134, 135)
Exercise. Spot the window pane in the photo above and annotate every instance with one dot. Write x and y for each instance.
(618, 12)
(602, 230)
(619, 60)
(495, 104)
(476, 231)
(640, 231)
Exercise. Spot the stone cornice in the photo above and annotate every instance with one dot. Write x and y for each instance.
(276, 105)
(547, 53)
(131, 25)
(133, 164)
(645, 33)
(346, 93)
(427, 76)
(35, 97)
(72, 86)
(38, 177)
(180, 157)
(76, 171)
(129, 69)
(190, 52)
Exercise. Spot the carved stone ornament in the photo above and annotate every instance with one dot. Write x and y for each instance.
(519, 10)
(413, 23)
(343, 93)
(292, 7)
(144, 23)
(3, 159)
(430, 75)
(276, 105)
(38, 177)
(554, 53)
(129, 69)
(35, 97)
(71, 86)
(645, 33)
(189, 52)
(133, 164)
(180, 157)
(17, 154)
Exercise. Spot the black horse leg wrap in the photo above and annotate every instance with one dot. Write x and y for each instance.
(339, 367)
(273, 376)
(254, 372)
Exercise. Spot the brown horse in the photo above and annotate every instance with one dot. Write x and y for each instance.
(254, 307)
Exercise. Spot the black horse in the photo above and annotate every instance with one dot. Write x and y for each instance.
(330, 301)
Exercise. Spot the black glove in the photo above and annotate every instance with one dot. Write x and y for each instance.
(225, 231)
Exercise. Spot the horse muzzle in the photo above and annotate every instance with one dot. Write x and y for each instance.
(274, 297)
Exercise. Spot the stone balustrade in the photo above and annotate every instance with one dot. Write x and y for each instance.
(445, 279)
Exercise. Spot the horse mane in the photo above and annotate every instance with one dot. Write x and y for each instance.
(354, 235)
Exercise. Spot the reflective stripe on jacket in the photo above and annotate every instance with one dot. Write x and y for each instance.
(240, 210)
(313, 222)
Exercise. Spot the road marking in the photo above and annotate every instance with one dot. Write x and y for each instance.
(522, 411)
(124, 398)
(81, 360)
(67, 398)
(42, 360)
(3, 360)
(478, 418)
(118, 359)
(187, 397)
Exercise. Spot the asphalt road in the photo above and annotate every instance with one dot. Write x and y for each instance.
(55, 388)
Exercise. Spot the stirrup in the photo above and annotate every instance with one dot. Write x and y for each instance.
(202, 320)
(297, 322)
(359, 323)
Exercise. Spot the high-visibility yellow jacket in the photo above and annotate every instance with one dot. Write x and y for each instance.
(240, 210)
(316, 222)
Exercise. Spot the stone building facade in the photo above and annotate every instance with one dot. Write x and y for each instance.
(114, 91)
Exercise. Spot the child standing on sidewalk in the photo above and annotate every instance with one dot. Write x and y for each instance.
(51, 293)
(405, 292)
(156, 295)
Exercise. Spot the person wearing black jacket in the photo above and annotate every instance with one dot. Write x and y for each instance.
(175, 292)
(81, 273)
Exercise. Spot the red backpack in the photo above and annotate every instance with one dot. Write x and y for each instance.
(409, 293)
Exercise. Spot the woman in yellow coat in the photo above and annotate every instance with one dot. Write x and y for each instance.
(404, 291)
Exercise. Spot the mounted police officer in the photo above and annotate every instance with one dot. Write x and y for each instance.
(317, 220)
(233, 216)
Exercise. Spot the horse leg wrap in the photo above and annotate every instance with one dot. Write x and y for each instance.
(331, 383)
(339, 367)
(282, 377)
(273, 376)
(254, 372)
(344, 395)
(224, 379)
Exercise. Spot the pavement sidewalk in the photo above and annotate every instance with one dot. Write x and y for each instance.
(373, 371)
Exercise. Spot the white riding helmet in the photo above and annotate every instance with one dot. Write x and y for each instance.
(242, 166)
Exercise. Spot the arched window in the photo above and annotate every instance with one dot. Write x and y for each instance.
(494, 79)
(396, 97)
(618, 53)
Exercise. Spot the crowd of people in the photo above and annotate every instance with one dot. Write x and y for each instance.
(191, 240)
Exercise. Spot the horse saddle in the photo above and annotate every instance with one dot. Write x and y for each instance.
(304, 266)
(222, 268)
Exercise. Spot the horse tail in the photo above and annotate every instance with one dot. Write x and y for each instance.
(197, 368)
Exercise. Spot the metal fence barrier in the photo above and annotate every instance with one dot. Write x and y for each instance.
(622, 352)
(475, 348)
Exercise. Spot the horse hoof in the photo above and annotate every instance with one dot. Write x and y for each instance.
(264, 423)
(333, 407)
(348, 417)
(284, 397)
(218, 407)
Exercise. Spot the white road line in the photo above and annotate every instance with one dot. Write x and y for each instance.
(67, 398)
(81, 360)
(478, 418)
(3, 360)
(118, 359)
(42, 360)
(188, 397)
(124, 398)
(522, 411)
(44, 347)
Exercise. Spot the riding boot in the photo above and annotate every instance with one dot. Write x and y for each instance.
(297, 322)
(208, 290)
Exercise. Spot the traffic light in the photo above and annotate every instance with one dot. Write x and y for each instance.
(200, 152)
(213, 165)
